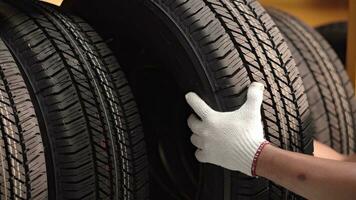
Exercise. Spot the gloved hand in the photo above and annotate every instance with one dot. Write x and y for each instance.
(232, 140)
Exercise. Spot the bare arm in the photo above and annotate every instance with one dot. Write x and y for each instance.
(323, 151)
(351, 158)
(310, 177)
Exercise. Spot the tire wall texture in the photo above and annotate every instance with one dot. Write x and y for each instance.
(231, 44)
(217, 48)
(329, 90)
(89, 114)
(23, 172)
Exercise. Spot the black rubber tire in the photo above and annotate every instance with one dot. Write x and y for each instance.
(22, 160)
(336, 35)
(216, 48)
(330, 94)
(88, 112)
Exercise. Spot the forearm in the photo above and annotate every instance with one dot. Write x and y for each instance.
(308, 176)
(351, 158)
(323, 151)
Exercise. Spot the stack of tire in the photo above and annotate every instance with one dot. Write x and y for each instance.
(69, 126)
(329, 90)
(71, 120)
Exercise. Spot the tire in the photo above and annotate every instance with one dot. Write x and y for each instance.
(330, 94)
(215, 48)
(336, 35)
(23, 164)
(87, 109)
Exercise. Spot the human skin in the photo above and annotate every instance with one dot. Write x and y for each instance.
(351, 158)
(311, 177)
(324, 151)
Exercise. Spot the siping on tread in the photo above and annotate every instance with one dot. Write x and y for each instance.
(235, 43)
(327, 85)
(216, 48)
(22, 160)
(88, 110)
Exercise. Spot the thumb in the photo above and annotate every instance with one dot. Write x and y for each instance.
(198, 105)
(201, 156)
(254, 98)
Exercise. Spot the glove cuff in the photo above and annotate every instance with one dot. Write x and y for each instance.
(248, 156)
(255, 158)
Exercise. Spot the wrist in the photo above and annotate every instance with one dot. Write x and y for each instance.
(265, 160)
(244, 153)
(257, 156)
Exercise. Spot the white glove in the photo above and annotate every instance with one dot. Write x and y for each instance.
(232, 140)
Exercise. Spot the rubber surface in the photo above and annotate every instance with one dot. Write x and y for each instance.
(336, 35)
(330, 94)
(217, 48)
(89, 115)
(22, 160)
